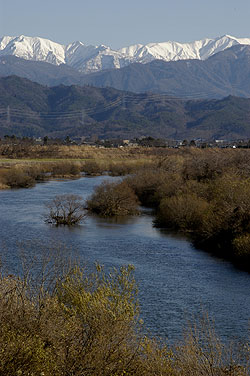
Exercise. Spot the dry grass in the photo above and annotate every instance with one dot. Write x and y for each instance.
(69, 161)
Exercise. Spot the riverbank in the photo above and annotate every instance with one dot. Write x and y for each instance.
(176, 280)
(202, 193)
(23, 167)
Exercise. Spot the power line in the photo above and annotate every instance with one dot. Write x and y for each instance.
(123, 102)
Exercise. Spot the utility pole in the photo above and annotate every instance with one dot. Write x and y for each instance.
(123, 103)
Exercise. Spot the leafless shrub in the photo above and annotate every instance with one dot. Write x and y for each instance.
(17, 178)
(146, 182)
(92, 167)
(111, 199)
(202, 353)
(184, 212)
(65, 210)
(67, 168)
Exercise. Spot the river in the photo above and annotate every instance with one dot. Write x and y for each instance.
(176, 281)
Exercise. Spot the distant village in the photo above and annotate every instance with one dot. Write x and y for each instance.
(143, 141)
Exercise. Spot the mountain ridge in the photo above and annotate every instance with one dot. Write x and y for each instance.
(33, 110)
(89, 58)
(224, 73)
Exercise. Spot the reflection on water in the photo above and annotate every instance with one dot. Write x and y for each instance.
(175, 280)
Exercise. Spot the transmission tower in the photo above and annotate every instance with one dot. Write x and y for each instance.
(82, 117)
(8, 114)
(123, 103)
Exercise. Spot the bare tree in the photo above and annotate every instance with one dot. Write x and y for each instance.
(65, 210)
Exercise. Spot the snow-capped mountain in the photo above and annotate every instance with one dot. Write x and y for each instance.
(172, 51)
(88, 58)
(36, 49)
(85, 58)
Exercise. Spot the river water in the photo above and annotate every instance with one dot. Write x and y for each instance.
(176, 281)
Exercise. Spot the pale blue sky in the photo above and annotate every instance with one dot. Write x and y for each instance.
(121, 23)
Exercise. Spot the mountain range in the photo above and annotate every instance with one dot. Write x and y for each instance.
(173, 90)
(88, 58)
(224, 73)
(30, 109)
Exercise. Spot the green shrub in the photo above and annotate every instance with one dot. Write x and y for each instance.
(88, 324)
(57, 318)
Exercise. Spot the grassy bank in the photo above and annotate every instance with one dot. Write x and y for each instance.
(23, 167)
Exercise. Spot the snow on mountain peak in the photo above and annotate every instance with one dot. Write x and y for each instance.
(88, 58)
(4, 41)
(33, 48)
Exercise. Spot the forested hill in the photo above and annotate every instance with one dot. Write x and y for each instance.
(30, 109)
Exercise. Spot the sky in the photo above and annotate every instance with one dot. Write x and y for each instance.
(119, 23)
